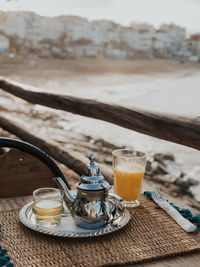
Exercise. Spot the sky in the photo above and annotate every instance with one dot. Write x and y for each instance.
(185, 13)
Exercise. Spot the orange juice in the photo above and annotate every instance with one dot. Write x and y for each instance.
(128, 179)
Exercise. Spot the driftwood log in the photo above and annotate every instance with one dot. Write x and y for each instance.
(72, 159)
(177, 129)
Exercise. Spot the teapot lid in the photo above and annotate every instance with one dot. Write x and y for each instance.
(93, 179)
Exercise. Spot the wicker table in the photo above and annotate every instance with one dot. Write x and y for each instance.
(183, 260)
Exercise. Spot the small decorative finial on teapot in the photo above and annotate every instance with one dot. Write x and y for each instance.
(92, 167)
(92, 158)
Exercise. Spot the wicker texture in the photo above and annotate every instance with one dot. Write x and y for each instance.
(14, 203)
(150, 234)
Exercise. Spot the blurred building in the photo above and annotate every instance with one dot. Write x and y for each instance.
(71, 36)
(167, 40)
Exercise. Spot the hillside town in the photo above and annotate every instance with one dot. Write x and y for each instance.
(65, 37)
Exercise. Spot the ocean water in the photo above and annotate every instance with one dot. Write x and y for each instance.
(173, 93)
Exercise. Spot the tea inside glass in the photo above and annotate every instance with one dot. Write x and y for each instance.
(48, 206)
(128, 170)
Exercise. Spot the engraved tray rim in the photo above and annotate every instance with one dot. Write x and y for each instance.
(72, 234)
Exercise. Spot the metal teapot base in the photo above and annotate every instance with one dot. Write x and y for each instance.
(89, 225)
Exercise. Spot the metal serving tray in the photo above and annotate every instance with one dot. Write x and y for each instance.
(67, 226)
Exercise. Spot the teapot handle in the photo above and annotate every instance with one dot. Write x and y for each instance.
(117, 207)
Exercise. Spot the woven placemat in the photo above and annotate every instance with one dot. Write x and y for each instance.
(150, 234)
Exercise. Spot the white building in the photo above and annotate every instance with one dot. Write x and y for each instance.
(27, 32)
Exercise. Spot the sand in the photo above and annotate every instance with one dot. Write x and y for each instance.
(33, 68)
(159, 85)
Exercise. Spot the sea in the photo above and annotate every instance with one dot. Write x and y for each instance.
(173, 93)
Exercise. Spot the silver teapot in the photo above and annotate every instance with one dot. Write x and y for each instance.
(93, 207)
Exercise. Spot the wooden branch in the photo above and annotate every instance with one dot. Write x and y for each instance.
(71, 159)
(177, 129)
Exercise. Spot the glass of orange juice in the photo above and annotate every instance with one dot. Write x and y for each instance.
(128, 168)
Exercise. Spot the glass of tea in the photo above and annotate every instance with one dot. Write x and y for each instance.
(128, 168)
(48, 206)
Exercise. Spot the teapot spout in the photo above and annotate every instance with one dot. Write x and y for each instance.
(69, 199)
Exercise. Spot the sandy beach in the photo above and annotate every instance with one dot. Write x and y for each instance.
(158, 85)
